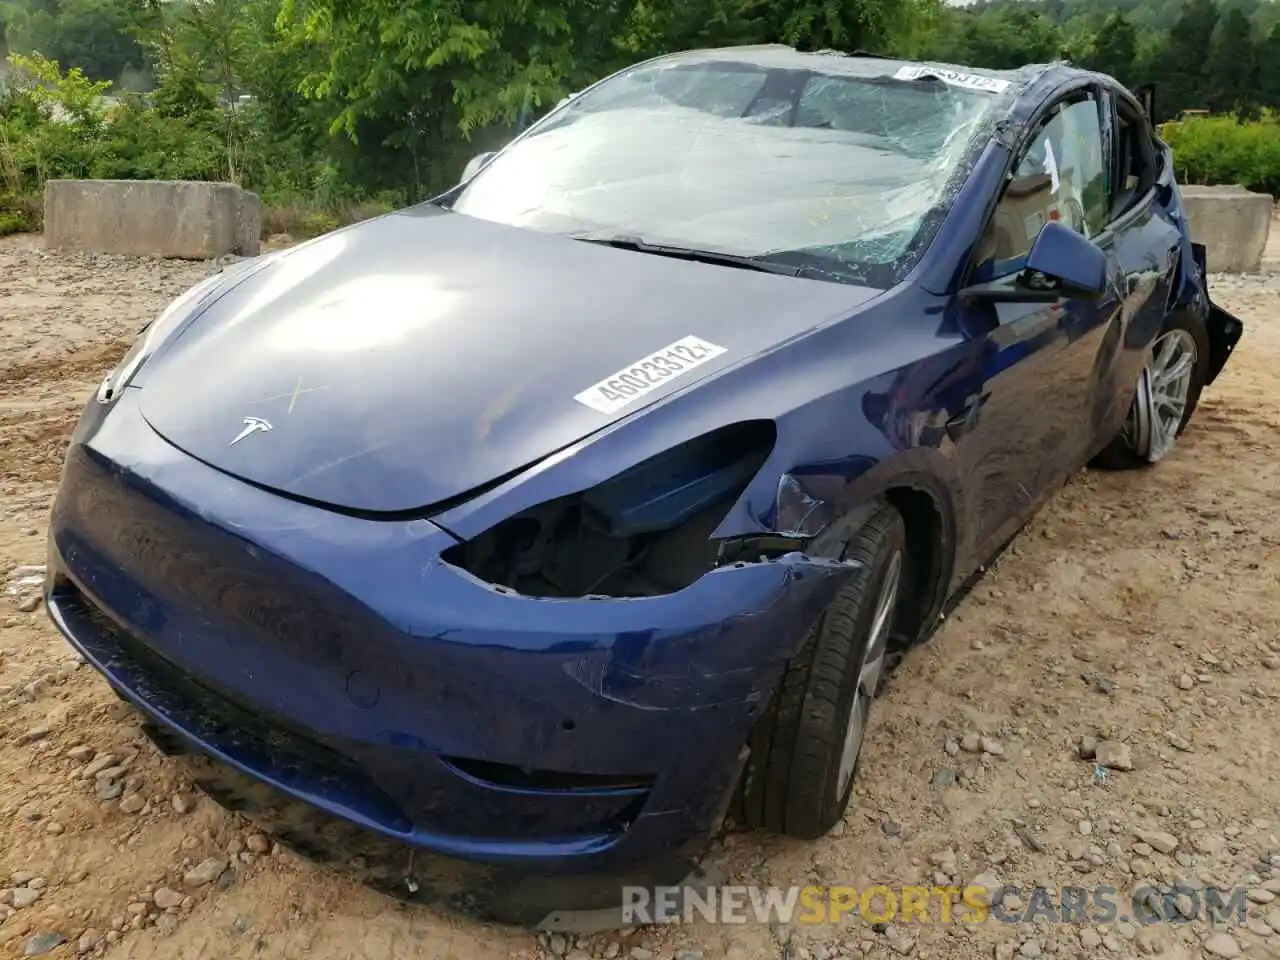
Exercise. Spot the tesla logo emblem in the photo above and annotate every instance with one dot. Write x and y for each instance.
(251, 425)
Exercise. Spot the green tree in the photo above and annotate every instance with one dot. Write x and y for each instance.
(1231, 69)
(1115, 48)
(1269, 69)
(1183, 85)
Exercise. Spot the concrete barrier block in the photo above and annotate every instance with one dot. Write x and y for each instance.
(1233, 223)
(179, 219)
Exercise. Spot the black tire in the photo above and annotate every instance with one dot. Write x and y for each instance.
(790, 782)
(1118, 454)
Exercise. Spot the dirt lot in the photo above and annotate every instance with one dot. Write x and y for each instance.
(1142, 608)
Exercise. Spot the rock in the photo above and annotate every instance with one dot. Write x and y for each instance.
(98, 764)
(111, 773)
(1089, 939)
(1260, 895)
(992, 746)
(640, 953)
(1087, 748)
(945, 777)
(42, 943)
(988, 885)
(1222, 945)
(81, 753)
(1114, 755)
(167, 899)
(166, 924)
(205, 873)
(183, 803)
(1158, 840)
(132, 803)
(25, 897)
(1258, 927)
(1185, 682)
(901, 945)
(1031, 949)
(257, 843)
(32, 735)
(971, 743)
(28, 605)
(88, 941)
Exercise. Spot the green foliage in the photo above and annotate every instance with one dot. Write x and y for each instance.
(1227, 150)
(332, 110)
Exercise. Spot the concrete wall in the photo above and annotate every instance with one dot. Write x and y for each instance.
(182, 219)
(1232, 223)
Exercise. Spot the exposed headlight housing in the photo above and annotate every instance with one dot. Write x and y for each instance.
(645, 532)
(152, 335)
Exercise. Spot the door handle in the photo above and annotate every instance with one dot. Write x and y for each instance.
(966, 419)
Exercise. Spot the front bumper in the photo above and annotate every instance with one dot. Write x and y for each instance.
(585, 744)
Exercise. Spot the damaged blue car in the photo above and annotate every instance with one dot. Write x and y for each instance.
(505, 546)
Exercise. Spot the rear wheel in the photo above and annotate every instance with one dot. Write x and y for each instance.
(1167, 393)
(804, 750)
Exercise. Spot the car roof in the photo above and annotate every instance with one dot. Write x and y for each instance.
(1035, 80)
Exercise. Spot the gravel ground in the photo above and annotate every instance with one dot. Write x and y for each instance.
(1140, 610)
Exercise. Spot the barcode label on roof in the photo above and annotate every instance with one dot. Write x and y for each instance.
(970, 81)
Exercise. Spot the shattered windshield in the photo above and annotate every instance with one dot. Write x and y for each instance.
(843, 176)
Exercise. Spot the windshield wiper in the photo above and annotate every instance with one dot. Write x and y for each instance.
(689, 253)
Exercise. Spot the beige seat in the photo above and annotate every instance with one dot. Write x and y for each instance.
(1021, 213)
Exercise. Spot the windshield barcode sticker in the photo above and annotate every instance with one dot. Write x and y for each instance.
(970, 81)
(648, 374)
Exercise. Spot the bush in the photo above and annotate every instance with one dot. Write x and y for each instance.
(59, 126)
(1227, 150)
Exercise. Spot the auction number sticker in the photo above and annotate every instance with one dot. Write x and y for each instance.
(648, 374)
(957, 78)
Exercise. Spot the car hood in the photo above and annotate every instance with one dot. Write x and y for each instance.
(408, 360)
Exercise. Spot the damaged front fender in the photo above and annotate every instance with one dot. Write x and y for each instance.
(769, 606)
(722, 639)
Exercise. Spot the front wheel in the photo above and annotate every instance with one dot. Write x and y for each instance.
(1167, 393)
(804, 750)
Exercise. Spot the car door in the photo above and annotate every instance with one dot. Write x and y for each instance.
(1024, 429)
(1146, 246)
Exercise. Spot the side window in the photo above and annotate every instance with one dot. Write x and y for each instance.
(1061, 176)
(1137, 163)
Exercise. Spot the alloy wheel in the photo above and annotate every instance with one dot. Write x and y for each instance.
(869, 671)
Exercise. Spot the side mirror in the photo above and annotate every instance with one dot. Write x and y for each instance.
(1066, 262)
(476, 164)
(1061, 264)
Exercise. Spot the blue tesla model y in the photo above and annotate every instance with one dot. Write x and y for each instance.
(512, 542)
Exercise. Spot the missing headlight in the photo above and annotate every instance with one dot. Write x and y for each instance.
(645, 532)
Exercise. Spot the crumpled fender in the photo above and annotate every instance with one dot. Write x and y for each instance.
(730, 660)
